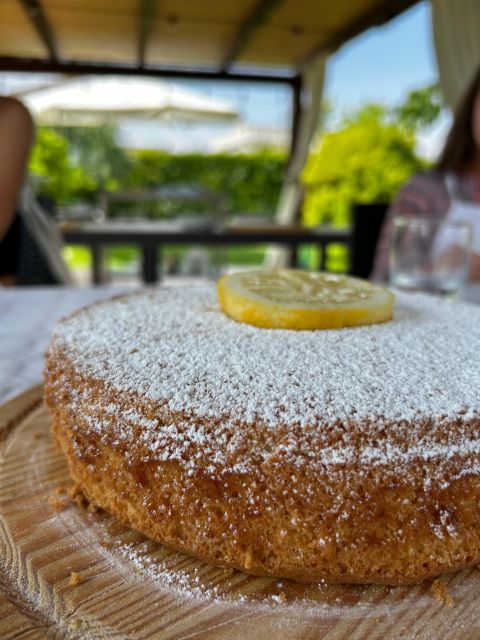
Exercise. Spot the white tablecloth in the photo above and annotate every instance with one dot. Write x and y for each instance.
(471, 293)
(27, 318)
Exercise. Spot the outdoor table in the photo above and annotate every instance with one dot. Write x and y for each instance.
(28, 316)
(152, 236)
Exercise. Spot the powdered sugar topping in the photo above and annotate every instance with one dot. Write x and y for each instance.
(175, 345)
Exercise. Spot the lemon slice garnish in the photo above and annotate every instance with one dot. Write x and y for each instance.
(291, 299)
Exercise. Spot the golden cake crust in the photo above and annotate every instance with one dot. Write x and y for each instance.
(289, 500)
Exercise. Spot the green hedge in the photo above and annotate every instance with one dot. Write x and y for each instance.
(71, 166)
(249, 183)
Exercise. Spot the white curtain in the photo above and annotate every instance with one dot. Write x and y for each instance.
(291, 194)
(456, 32)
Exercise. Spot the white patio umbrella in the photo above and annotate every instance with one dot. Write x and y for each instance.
(246, 138)
(95, 100)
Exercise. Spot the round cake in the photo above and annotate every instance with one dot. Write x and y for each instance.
(347, 455)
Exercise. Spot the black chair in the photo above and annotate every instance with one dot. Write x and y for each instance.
(367, 221)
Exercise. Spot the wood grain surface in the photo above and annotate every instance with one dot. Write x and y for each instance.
(70, 572)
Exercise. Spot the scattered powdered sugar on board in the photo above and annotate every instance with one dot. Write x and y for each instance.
(176, 580)
(318, 601)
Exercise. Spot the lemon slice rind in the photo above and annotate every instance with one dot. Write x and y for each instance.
(291, 299)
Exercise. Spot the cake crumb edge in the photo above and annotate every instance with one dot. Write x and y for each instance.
(440, 592)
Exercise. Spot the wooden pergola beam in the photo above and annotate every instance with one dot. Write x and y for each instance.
(260, 14)
(8, 63)
(296, 115)
(146, 15)
(376, 16)
(36, 14)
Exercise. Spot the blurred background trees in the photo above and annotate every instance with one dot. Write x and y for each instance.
(72, 165)
(248, 182)
(366, 157)
(54, 170)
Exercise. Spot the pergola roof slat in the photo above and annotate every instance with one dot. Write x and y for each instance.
(266, 37)
(147, 12)
(10, 63)
(39, 20)
(259, 16)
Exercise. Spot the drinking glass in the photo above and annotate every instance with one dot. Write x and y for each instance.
(430, 256)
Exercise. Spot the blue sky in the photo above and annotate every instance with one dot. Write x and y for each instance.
(385, 63)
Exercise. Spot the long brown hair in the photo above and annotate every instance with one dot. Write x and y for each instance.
(459, 149)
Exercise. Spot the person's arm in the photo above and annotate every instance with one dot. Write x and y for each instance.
(425, 195)
(16, 136)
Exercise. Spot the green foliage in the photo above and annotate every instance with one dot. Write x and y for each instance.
(95, 149)
(74, 163)
(250, 183)
(421, 108)
(55, 172)
(367, 114)
(367, 160)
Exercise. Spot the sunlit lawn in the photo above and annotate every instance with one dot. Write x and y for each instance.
(127, 258)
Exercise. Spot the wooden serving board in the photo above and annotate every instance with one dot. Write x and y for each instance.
(69, 573)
